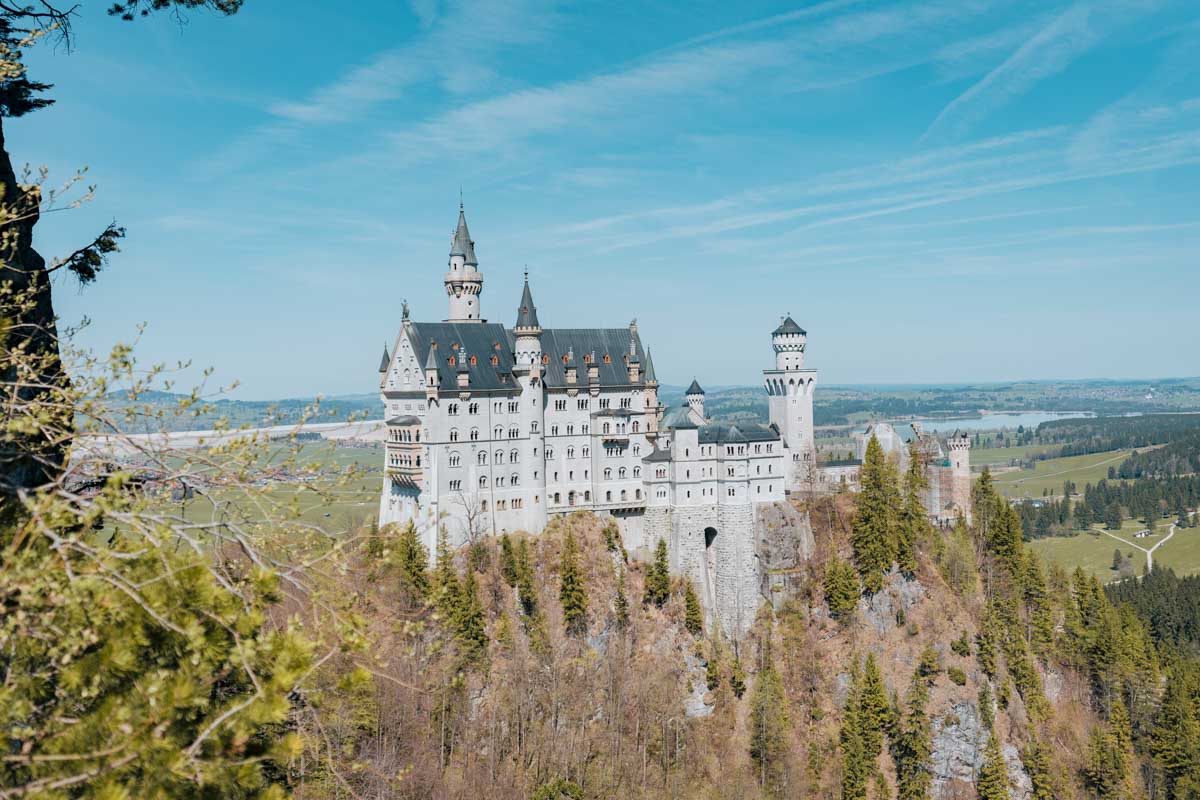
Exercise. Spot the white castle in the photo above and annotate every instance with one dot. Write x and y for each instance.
(493, 429)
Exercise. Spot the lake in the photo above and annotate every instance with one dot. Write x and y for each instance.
(991, 422)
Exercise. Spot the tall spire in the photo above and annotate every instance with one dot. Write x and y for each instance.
(386, 361)
(431, 361)
(527, 313)
(648, 373)
(462, 244)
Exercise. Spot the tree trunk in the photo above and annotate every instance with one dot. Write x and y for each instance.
(32, 378)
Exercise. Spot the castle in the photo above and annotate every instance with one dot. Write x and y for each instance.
(492, 429)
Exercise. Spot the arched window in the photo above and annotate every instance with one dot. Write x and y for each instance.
(624, 495)
(621, 473)
(514, 457)
(608, 473)
(635, 426)
(513, 433)
(608, 497)
(513, 479)
(499, 432)
(499, 457)
(482, 481)
(452, 409)
(637, 493)
(482, 458)
(637, 472)
(605, 428)
(455, 459)
(454, 434)
(570, 452)
(474, 434)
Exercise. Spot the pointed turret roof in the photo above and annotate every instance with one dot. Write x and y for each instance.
(648, 372)
(386, 361)
(431, 361)
(527, 313)
(694, 388)
(462, 244)
(789, 326)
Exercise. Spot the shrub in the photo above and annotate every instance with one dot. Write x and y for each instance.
(957, 676)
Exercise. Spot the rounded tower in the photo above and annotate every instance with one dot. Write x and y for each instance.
(694, 398)
(464, 281)
(527, 369)
(527, 350)
(789, 341)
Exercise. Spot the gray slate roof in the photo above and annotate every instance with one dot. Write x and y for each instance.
(527, 313)
(724, 433)
(694, 388)
(658, 455)
(462, 244)
(407, 419)
(678, 417)
(479, 339)
(386, 361)
(648, 372)
(789, 326)
(557, 342)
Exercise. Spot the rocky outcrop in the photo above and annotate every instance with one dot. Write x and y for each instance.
(882, 610)
(784, 543)
(958, 742)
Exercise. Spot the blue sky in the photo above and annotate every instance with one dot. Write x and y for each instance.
(949, 190)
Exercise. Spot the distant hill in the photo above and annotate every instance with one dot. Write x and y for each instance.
(252, 413)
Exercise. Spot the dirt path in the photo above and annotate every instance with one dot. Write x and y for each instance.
(1148, 551)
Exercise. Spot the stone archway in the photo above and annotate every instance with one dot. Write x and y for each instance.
(710, 569)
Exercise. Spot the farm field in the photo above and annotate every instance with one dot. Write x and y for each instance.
(992, 456)
(1093, 550)
(1051, 473)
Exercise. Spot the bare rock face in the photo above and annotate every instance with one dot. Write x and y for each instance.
(1019, 785)
(700, 702)
(784, 543)
(958, 743)
(882, 609)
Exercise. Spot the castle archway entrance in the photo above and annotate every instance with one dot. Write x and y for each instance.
(710, 568)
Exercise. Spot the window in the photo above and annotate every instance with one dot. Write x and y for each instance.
(560, 405)
(637, 494)
(570, 430)
(452, 409)
(454, 434)
(637, 472)
(582, 404)
(730, 490)
(585, 429)
(474, 434)
(625, 402)
(499, 457)
(513, 407)
(473, 408)
(637, 449)
(608, 473)
(517, 502)
(483, 481)
(513, 479)
(558, 498)
(513, 433)
(635, 426)
(500, 481)
(455, 486)
(661, 472)
(624, 495)
(554, 430)
(483, 505)
(605, 428)
(603, 403)
(621, 473)
(514, 456)
(608, 497)
(587, 451)
(570, 452)
(587, 496)
(498, 432)
(549, 453)
(533, 427)
(482, 457)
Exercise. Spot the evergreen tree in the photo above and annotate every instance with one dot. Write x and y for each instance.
(693, 618)
(712, 670)
(412, 558)
(1175, 740)
(841, 589)
(447, 590)
(525, 586)
(1106, 771)
(876, 523)
(737, 678)
(658, 577)
(913, 747)
(768, 721)
(571, 591)
(914, 526)
(992, 783)
(1037, 766)
(470, 628)
(621, 603)
(873, 711)
(508, 561)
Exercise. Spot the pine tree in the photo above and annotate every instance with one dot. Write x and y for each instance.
(841, 589)
(1037, 766)
(914, 526)
(447, 590)
(508, 561)
(525, 586)
(768, 721)
(621, 603)
(1175, 740)
(857, 765)
(470, 628)
(874, 712)
(1037, 603)
(913, 747)
(737, 678)
(693, 618)
(412, 559)
(712, 670)
(571, 591)
(876, 523)
(658, 577)
(992, 783)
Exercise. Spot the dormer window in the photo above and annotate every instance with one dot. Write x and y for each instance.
(607, 359)
(495, 361)
(473, 361)
(451, 361)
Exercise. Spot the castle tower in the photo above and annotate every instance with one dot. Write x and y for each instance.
(959, 447)
(464, 281)
(527, 368)
(653, 411)
(694, 398)
(790, 389)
